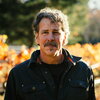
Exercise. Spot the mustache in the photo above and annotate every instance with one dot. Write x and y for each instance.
(51, 43)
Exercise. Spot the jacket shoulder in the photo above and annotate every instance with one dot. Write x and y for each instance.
(21, 66)
(84, 66)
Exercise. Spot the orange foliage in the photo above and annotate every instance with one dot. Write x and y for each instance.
(90, 53)
(9, 58)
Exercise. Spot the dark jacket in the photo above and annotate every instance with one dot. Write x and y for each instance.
(30, 81)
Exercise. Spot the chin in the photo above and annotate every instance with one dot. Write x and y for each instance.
(51, 52)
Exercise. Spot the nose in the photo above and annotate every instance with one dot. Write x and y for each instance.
(50, 36)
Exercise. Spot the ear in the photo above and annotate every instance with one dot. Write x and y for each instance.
(37, 38)
(65, 40)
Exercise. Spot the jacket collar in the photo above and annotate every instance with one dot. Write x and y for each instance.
(35, 57)
(70, 57)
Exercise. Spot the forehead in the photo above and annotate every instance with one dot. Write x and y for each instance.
(46, 23)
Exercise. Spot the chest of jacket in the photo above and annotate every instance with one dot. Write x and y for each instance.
(38, 84)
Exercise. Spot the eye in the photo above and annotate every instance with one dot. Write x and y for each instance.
(45, 32)
(56, 33)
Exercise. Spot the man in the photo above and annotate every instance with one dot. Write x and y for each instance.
(51, 73)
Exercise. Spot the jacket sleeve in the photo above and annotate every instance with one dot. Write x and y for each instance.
(91, 87)
(10, 93)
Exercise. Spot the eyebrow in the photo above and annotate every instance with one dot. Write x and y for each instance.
(48, 30)
(55, 30)
(44, 30)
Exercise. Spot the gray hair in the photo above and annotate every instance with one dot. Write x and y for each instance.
(55, 16)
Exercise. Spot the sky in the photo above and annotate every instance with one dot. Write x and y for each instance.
(94, 4)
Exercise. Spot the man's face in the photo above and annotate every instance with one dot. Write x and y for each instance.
(50, 37)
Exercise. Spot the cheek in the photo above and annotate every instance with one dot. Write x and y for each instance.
(61, 39)
(42, 40)
(64, 39)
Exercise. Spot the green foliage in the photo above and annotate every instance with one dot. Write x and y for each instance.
(78, 20)
(16, 18)
(92, 30)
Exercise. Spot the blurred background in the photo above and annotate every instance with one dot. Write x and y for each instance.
(16, 18)
(17, 38)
